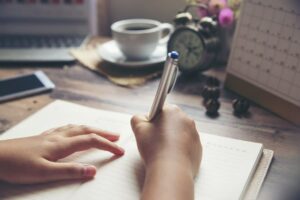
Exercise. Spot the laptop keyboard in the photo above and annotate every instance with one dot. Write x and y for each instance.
(9, 41)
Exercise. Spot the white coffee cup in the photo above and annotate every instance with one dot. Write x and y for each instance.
(138, 38)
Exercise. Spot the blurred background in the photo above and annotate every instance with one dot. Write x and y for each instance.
(155, 9)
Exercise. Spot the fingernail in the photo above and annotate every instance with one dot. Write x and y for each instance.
(121, 151)
(89, 171)
(114, 137)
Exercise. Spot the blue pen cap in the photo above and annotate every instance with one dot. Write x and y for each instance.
(174, 54)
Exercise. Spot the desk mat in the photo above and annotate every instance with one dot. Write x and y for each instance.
(123, 76)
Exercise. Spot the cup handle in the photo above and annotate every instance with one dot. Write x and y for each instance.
(166, 27)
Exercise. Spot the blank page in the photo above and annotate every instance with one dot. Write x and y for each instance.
(226, 168)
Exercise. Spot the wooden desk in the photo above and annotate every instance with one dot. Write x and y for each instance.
(79, 85)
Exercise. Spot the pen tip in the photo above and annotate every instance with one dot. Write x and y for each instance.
(174, 54)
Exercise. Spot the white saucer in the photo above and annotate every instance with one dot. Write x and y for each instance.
(110, 52)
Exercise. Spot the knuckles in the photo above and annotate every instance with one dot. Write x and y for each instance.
(172, 109)
(54, 138)
(191, 123)
(70, 126)
(84, 128)
(93, 138)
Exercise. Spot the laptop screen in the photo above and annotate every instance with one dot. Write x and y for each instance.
(47, 17)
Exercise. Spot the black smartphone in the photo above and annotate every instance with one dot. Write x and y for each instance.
(24, 85)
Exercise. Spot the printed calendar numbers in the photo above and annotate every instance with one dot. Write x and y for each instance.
(266, 50)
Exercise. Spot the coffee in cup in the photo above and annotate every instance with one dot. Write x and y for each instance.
(138, 38)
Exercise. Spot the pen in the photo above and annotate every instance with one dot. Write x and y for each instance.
(166, 84)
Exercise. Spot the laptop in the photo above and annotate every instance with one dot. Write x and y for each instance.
(44, 30)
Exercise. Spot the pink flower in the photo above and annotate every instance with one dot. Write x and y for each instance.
(226, 17)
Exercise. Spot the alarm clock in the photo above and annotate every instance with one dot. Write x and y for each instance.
(197, 42)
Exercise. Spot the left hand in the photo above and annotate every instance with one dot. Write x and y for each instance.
(33, 159)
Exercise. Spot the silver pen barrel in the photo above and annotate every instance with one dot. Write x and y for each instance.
(165, 85)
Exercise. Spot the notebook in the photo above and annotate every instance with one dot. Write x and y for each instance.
(227, 168)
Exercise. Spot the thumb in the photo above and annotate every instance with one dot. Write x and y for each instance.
(66, 171)
(136, 119)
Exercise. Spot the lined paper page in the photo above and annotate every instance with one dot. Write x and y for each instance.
(121, 179)
(226, 167)
(224, 173)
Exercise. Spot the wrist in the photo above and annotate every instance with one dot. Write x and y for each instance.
(168, 179)
(177, 162)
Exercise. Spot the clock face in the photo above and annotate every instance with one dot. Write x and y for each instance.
(190, 46)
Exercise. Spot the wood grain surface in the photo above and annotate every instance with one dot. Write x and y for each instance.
(77, 84)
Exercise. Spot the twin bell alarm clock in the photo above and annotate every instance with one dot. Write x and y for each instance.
(196, 40)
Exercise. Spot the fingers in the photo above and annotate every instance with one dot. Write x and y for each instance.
(84, 142)
(80, 130)
(136, 119)
(65, 171)
(75, 130)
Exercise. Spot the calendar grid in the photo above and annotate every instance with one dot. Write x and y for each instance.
(266, 48)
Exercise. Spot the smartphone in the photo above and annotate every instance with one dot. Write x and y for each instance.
(24, 85)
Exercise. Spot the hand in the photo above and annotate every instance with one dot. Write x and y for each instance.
(171, 150)
(33, 159)
(171, 137)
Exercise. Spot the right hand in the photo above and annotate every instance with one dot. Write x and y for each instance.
(171, 137)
